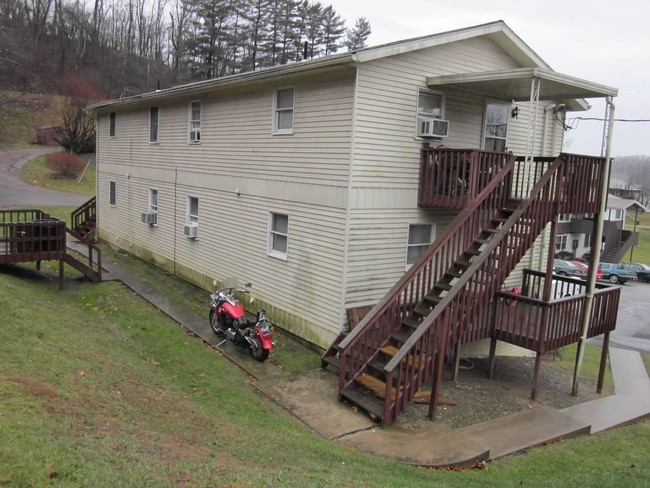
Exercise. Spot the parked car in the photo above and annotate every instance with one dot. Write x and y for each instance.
(599, 272)
(568, 268)
(616, 273)
(642, 270)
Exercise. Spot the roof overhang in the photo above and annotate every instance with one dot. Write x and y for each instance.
(515, 84)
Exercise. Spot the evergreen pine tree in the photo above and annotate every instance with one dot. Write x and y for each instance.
(356, 38)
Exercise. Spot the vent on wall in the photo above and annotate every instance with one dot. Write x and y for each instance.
(191, 230)
(429, 127)
(150, 218)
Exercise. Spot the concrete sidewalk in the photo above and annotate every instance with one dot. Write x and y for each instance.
(312, 397)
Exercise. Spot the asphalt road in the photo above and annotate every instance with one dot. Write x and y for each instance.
(633, 324)
(15, 193)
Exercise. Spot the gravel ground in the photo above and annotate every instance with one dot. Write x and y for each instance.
(479, 399)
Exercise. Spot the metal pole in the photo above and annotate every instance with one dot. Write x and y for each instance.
(586, 317)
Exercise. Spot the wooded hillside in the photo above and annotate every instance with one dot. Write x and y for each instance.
(124, 47)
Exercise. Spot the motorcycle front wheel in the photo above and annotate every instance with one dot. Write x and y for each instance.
(214, 323)
(257, 352)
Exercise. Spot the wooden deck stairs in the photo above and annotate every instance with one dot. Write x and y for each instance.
(445, 299)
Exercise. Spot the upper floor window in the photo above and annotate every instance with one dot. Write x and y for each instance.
(564, 218)
(283, 111)
(195, 122)
(495, 131)
(112, 194)
(278, 245)
(111, 124)
(420, 237)
(154, 119)
(430, 111)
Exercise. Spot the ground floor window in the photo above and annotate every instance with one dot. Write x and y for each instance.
(112, 194)
(419, 239)
(560, 243)
(278, 245)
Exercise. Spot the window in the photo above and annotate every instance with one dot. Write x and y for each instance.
(431, 107)
(192, 216)
(112, 194)
(560, 243)
(420, 237)
(153, 201)
(278, 235)
(587, 242)
(111, 124)
(195, 123)
(154, 117)
(283, 111)
(496, 126)
(564, 218)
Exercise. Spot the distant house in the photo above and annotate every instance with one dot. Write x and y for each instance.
(47, 136)
(306, 179)
(574, 234)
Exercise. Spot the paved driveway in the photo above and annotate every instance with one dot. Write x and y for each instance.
(15, 193)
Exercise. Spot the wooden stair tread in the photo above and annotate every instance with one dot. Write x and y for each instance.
(369, 403)
(373, 384)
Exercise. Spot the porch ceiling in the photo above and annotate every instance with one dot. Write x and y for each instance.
(515, 84)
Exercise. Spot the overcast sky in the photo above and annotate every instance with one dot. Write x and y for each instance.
(606, 42)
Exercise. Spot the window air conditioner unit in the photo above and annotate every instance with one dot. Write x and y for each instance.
(149, 218)
(191, 230)
(429, 127)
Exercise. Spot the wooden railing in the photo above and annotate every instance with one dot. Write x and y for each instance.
(384, 319)
(527, 320)
(452, 178)
(30, 235)
(84, 213)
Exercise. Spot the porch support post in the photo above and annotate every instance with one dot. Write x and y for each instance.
(603, 363)
(598, 237)
(532, 131)
(457, 348)
(61, 274)
(534, 392)
(493, 350)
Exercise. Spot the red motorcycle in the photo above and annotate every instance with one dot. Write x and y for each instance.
(227, 317)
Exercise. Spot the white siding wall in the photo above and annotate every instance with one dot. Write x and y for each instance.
(385, 171)
(304, 175)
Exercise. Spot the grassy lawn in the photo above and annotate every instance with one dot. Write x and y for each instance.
(26, 112)
(35, 171)
(99, 388)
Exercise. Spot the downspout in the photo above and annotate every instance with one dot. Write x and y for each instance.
(595, 254)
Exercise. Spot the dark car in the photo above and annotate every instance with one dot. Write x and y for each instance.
(642, 270)
(567, 268)
(616, 273)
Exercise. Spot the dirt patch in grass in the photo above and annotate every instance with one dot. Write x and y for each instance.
(33, 386)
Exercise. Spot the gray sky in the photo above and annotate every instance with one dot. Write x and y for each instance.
(607, 42)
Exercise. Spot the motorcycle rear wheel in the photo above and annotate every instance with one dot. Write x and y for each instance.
(257, 352)
(214, 323)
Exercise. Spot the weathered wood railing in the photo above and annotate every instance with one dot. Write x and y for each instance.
(30, 235)
(527, 320)
(382, 321)
(468, 302)
(452, 178)
(84, 213)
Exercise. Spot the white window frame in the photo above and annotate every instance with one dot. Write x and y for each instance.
(283, 110)
(423, 114)
(273, 232)
(194, 125)
(154, 126)
(112, 123)
(564, 218)
(486, 136)
(112, 194)
(560, 242)
(153, 200)
(423, 245)
(192, 218)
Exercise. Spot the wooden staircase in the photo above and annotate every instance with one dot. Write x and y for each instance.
(82, 254)
(445, 299)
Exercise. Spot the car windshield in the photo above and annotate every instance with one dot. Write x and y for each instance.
(645, 267)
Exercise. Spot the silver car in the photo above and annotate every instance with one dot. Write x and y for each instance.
(567, 268)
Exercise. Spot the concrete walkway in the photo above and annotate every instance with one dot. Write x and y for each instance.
(312, 397)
